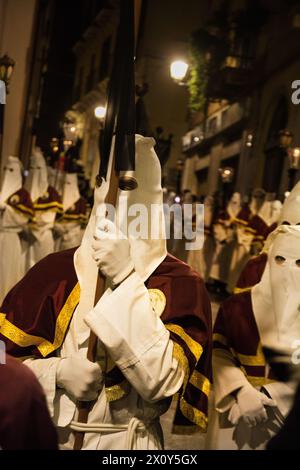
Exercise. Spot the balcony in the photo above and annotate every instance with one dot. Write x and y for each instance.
(230, 81)
(217, 123)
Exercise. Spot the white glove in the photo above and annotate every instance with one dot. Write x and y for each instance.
(112, 252)
(80, 377)
(250, 406)
(2, 206)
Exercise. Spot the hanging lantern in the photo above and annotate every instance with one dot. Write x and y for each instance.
(285, 138)
(226, 174)
(294, 158)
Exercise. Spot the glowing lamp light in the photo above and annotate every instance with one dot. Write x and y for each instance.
(226, 174)
(285, 138)
(73, 129)
(249, 140)
(294, 157)
(177, 199)
(178, 70)
(100, 112)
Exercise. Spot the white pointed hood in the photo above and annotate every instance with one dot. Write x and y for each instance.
(37, 179)
(291, 207)
(271, 211)
(71, 192)
(276, 298)
(234, 205)
(146, 253)
(12, 178)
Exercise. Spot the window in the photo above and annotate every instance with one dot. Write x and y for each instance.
(224, 118)
(212, 126)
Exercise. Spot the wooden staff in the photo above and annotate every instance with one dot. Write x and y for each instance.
(120, 118)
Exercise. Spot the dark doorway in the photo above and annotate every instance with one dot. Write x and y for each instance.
(275, 155)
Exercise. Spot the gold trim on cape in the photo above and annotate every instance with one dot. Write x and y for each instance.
(220, 339)
(2, 318)
(48, 205)
(19, 337)
(158, 301)
(193, 346)
(239, 290)
(202, 383)
(116, 392)
(23, 209)
(193, 414)
(249, 360)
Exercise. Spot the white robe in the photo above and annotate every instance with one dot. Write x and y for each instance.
(71, 235)
(43, 242)
(12, 250)
(240, 257)
(222, 435)
(139, 344)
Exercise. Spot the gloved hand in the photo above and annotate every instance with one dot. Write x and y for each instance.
(111, 251)
(80, 377)
(250, 406)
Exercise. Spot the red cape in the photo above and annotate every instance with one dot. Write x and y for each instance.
(37, 312)
(25, 422)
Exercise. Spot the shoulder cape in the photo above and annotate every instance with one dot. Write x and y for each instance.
(252, 273)
(49, 201)
(21, 202)
(236, 331)
(77, 212)
(37, 312)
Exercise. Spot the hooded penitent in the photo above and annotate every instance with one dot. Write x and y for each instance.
(37, 180)
(12, 179)
(16, 209)
(70, 191)
(234, 205)
(147, 253)
(290, 213)
(163, 279)
(267, 315)
(278, 291)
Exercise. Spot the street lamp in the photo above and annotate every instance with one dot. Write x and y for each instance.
(226, 174)
(100, 112)
(178, 71)
(285, 138)
(249, 140)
